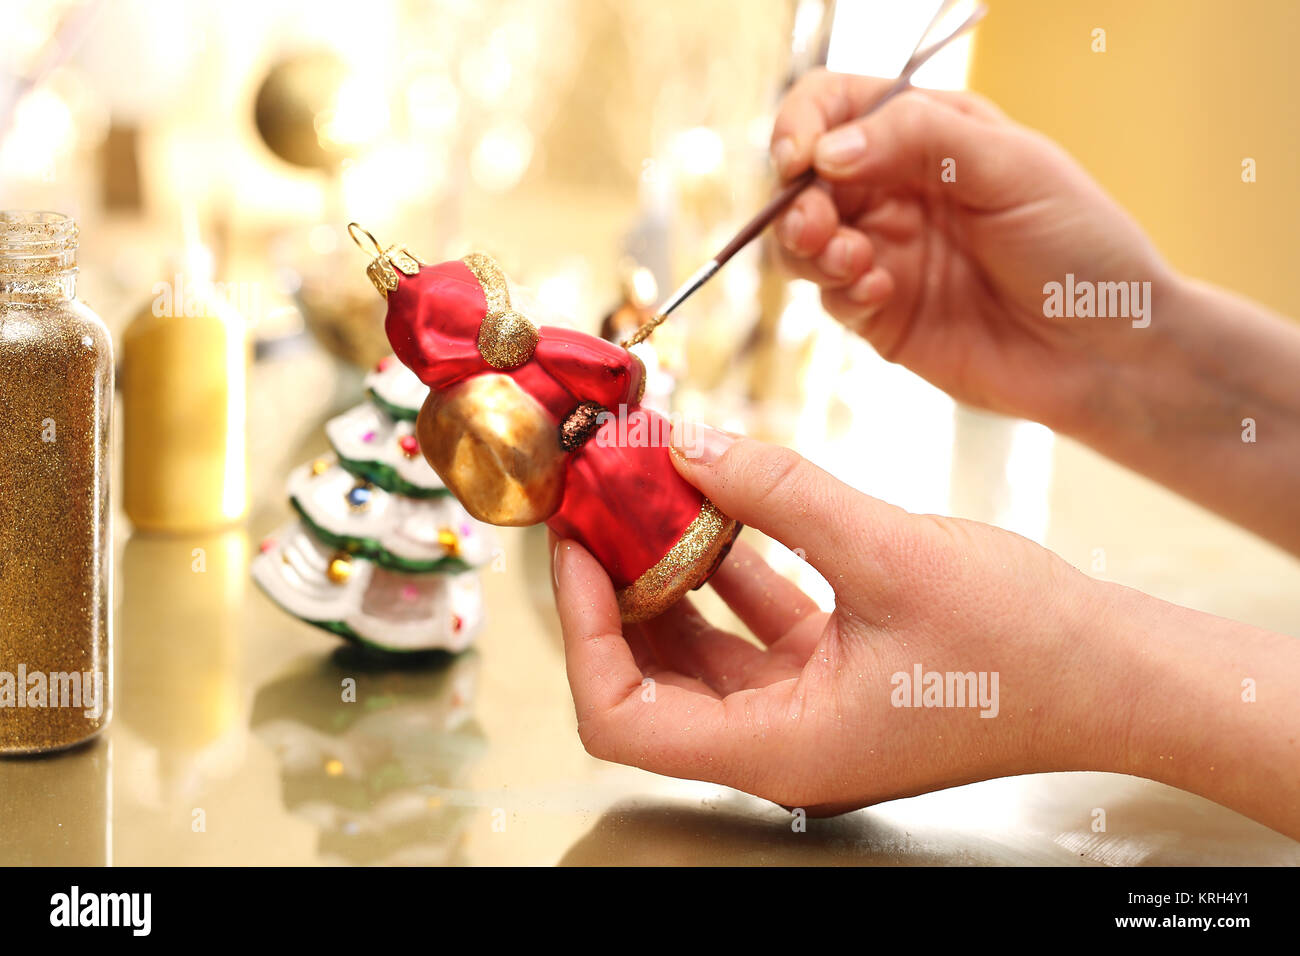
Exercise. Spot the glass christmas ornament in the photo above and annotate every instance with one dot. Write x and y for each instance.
(526, 424)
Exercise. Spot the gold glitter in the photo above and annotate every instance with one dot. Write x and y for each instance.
(56, 394)
(506, 339)
(640, 390)
(684, 567)
(320, 466)
(491, 278)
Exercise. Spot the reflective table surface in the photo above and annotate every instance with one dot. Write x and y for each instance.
(230, 744)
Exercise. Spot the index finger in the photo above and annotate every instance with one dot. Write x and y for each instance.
(821, 101)
(602, 670)
(818, 102)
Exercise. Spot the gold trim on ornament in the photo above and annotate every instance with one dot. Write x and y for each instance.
(506, 340)
(491, 278)
(640, 389)
(684, 567)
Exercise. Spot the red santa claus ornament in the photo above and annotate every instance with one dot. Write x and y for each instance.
(526, 424)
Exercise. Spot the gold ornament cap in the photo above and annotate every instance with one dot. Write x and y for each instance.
(385, 263)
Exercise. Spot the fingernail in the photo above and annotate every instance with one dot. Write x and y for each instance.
(841, 147)
(555, 564)
(784, 154)
(837, 257)
(859, 292)
(865, 290)
(792, 229)
(700, 444)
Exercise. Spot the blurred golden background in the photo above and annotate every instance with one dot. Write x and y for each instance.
(601, 150)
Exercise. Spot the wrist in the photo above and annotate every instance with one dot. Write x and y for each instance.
(1160, 696)
(1135, 370)
(1097, 670)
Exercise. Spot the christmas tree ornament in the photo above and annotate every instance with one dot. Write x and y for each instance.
(395, 531)
(56, 398)
(381, 554)
(529, 423)
(380, 448)
(295, 104)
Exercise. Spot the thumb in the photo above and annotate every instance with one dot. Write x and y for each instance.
(922, 142)
(788, 498)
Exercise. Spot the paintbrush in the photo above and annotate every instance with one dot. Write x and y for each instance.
(921, 53)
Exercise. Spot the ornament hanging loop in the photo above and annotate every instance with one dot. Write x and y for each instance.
(356, 231)
(385, 264)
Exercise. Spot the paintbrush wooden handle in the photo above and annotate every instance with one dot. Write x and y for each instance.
(765, 216)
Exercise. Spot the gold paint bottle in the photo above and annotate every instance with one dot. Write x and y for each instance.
(184, 365)
(56, 394)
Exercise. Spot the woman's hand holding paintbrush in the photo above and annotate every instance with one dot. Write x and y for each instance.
(926, 47)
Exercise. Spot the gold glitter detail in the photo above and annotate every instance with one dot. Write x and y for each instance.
(320, 466)
(449, 542)
(644, 331)
(640, 390)
(491, 278)
(684, 567)
(340, 569)
(56, 395)
(506, 339)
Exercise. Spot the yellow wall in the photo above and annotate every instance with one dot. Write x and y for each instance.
(1163, 118)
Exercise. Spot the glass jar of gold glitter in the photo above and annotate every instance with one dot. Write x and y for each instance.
(56, 395)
